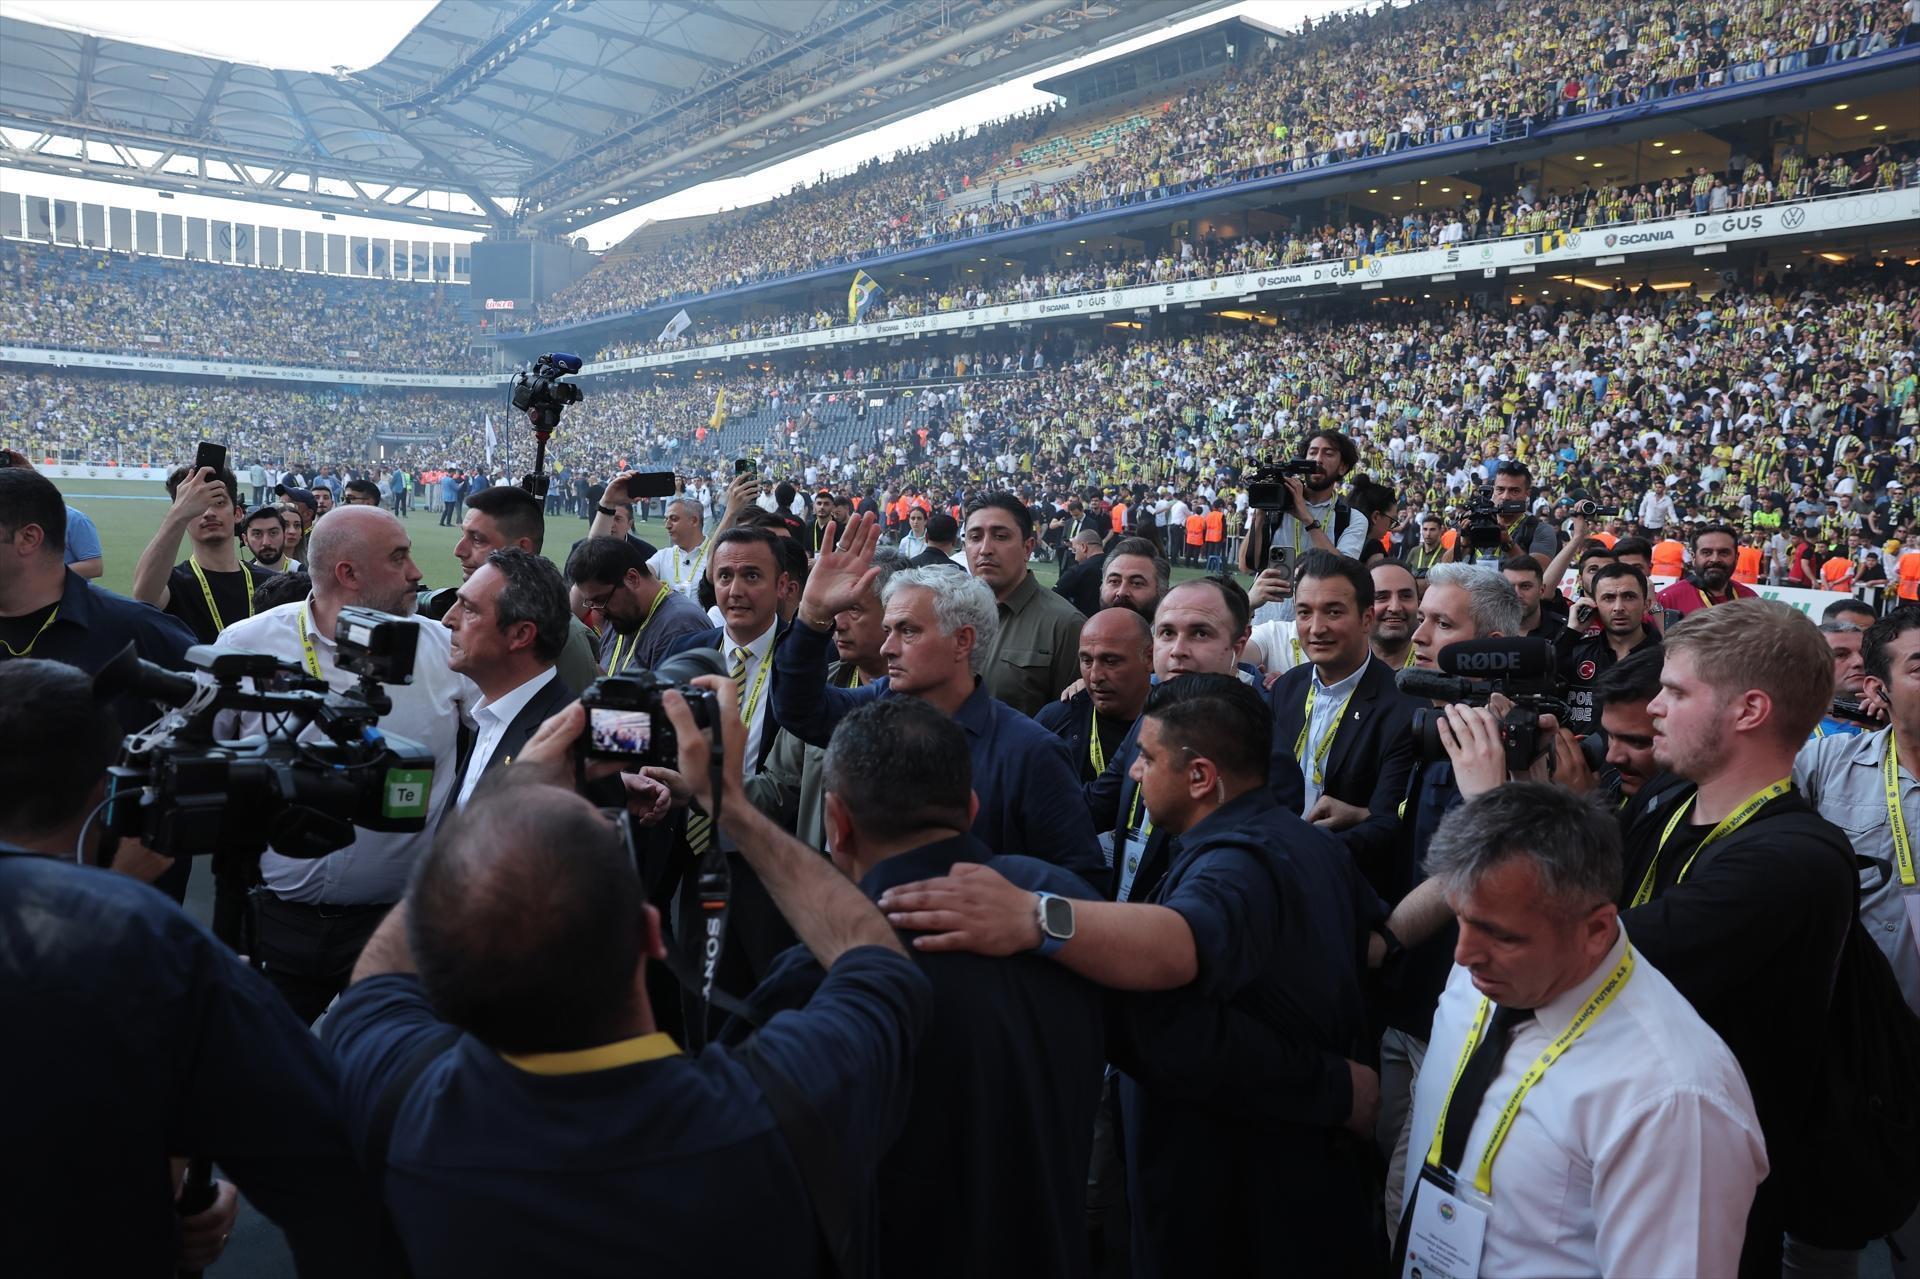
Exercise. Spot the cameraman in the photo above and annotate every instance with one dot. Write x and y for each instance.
(602, 1146)
(1315, 518)
(312, 915)
(1521, 533)
(149, 1043)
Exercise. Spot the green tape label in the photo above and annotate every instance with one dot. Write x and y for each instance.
(406, 792)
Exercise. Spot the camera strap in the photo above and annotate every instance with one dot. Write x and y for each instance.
(702, 917)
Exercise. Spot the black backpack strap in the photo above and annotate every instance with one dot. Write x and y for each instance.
(380, 1134)
(812, 1148)
(1341, 514)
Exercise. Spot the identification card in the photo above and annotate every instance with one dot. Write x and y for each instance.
(1912, 903)
(1447, 1229)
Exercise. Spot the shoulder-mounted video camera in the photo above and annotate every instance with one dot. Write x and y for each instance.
(1471, 672)
(183, 791)
(1267, 488)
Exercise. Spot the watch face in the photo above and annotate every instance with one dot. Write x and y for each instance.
(1056, 915)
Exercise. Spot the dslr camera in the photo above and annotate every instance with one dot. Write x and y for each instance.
(1266, 486)
(183, 791)
(1522, 669)
(627, 721)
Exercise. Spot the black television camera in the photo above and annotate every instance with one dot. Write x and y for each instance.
(626, 720)
(1522, 669)
(540, 393)
(1483, 529)
(182, 791)
(1267, 488)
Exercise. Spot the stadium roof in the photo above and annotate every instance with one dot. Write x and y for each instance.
(553, 113)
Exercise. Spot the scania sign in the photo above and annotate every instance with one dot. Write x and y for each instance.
(1626, 239)
(1055, 308)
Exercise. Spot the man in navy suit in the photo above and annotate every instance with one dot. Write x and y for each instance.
(1341, 718)
(509, 622)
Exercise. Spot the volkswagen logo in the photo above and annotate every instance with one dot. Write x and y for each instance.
(1792, 218)
(1376, 267)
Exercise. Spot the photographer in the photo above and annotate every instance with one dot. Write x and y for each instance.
(1314, 518)
(149, 1042)
(1519, 531)
(312, 915)
(211, 588)
(1620, 596)
(527, 929)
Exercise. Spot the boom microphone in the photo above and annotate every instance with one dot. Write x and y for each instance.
(1519, 658)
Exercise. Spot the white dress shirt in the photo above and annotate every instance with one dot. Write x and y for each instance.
(492, 719)
(1328, 701)
(375, 866)
(680, 569)
(1637, 1153)
(759, 654)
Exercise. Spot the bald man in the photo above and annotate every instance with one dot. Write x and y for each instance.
(1116, 667)
(318, 912)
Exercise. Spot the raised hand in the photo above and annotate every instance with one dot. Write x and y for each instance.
(842, 573)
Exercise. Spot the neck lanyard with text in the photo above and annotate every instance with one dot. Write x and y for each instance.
(1130, 863)
(206, 591)
(1326, 743)
(311, 658)
(753, 694)
(1730, 823)
(1596, 1004)
(1096, 754)
(1896, 817)
(632, 642)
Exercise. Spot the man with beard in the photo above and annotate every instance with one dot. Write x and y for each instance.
(1396, 607)
(1134, 577)
(1716, 549)
(211, 588)
(1116, 669)
(644, 617)
(314, 914)
(1620, 594)
(1316, 518)
(1623, 694)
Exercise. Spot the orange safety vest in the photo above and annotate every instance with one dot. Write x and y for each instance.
(1119, 514)
(1449, 537)
(1836, 572)
(1910, 575)
(1196, 529)
(1746, 565)
(1669, 558)
(1216, 526)
(1605, 539)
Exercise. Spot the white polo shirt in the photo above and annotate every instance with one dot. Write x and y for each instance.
(374, 868)
(680, 569)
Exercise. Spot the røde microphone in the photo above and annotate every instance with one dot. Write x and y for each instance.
(1519, 658)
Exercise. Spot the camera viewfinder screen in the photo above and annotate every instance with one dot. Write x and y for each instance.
(621, 732)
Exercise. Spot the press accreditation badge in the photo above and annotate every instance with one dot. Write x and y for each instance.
(1447, 1228)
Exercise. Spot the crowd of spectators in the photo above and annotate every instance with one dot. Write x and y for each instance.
(74, 299)
(1744, 183)
(1353, 85)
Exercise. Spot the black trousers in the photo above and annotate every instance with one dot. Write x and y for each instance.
(308, 949)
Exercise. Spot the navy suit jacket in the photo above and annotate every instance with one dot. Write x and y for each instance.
(542, 706)
(715, 637)
(1368, 764)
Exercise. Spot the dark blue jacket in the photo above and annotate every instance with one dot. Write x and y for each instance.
(715, 637)
(1020, 771)
(1006, 1082)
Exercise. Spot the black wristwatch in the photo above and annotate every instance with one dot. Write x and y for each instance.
(1314, 527)
(606, 510)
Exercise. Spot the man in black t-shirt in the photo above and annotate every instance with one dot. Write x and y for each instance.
(1620, 594)
(211, 588)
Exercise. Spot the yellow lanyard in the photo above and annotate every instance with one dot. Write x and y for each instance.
(1706, 600)
(1326, 743)
(632, 642)
(1730, 823)
(1095, 754)
(753, 694)
(1424, 559)
(219, 624)
(28, 650)
(1596, 1004)
(1133, 817)
(311, 658)
(1408, 664)
(1896, 818)
(693, 566)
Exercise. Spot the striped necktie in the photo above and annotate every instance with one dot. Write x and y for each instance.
(699, 825)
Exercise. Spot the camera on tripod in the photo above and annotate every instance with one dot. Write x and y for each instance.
(627, 721)
(1522, 670)
(540, 393)
(1267, 488)
(183, 791)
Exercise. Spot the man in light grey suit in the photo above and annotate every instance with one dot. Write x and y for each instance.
(509, 621)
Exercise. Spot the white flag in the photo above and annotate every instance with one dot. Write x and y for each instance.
(679, 324)
(491, 441)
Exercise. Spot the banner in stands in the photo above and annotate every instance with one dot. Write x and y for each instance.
(1812, 603)
(1836, 213)
(104, 472)
(224, 368)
